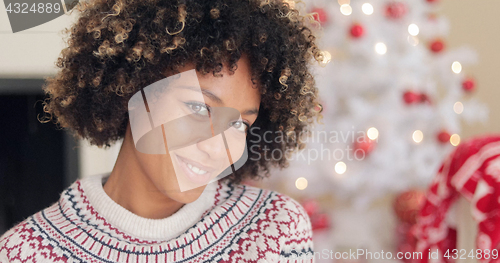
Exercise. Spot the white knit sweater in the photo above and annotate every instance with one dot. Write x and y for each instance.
(228, 223)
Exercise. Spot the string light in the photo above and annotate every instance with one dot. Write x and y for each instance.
(301, 183)
(344, 2)
(456, 67)
(340, 168)
(380, 48)
(455, 139)
(346, 9)
(418, 136)
(367, 8)
(458, 107)
(413, 40)
(413, 30)
(372, 133)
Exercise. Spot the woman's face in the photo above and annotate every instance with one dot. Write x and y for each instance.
(204, 121)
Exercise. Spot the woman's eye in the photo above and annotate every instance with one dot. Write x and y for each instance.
(198, 109)
(239, 125)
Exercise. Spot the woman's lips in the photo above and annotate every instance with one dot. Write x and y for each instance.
(194, 171)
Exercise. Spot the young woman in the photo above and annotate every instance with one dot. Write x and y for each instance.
(251, 56)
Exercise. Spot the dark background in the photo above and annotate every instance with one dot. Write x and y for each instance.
(37, 160)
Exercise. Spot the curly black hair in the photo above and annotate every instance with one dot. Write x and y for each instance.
(117, 47)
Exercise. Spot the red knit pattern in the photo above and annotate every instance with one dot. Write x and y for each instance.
(245, 224)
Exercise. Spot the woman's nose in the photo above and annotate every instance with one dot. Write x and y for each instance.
(214, 147)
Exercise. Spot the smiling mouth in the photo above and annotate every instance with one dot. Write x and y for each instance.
(194, 171)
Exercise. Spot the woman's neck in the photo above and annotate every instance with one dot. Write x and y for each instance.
(130, 187)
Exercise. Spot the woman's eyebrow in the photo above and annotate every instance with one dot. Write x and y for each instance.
(212, 96)
(253, 111)
(205, 92)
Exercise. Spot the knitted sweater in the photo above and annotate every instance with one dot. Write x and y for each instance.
(228, 223)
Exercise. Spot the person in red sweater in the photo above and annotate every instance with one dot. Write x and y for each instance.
(249, 57)
(471, 171)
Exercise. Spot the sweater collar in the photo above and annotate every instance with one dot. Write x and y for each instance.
(145, 228)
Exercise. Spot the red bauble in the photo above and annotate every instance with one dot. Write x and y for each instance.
(411, 97)
(432, 1)
(469, 85)
(321, 16)
(311, 206)
(395, 10)
(407, 205)
(436, 46)
(357, 31)
(320, 221)
(363, 147)
(443, 136)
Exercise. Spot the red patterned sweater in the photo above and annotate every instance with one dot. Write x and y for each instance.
(228, 223)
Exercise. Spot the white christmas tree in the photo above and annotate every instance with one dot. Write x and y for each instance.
(394, 97)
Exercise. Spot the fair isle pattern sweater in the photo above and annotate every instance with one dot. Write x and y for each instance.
(228, 223)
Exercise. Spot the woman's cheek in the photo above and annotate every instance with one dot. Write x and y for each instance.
(236, 142)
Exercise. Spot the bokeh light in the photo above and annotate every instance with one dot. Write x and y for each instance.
(327, 58)
(346, 10)
(413, 29)
(340, 168)
(367, 8)
(455, 139)
(380, 48)
(418, 136)
(372, 133)
(458, 107)
(301, 183)
(456, 67)
(413, 40)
